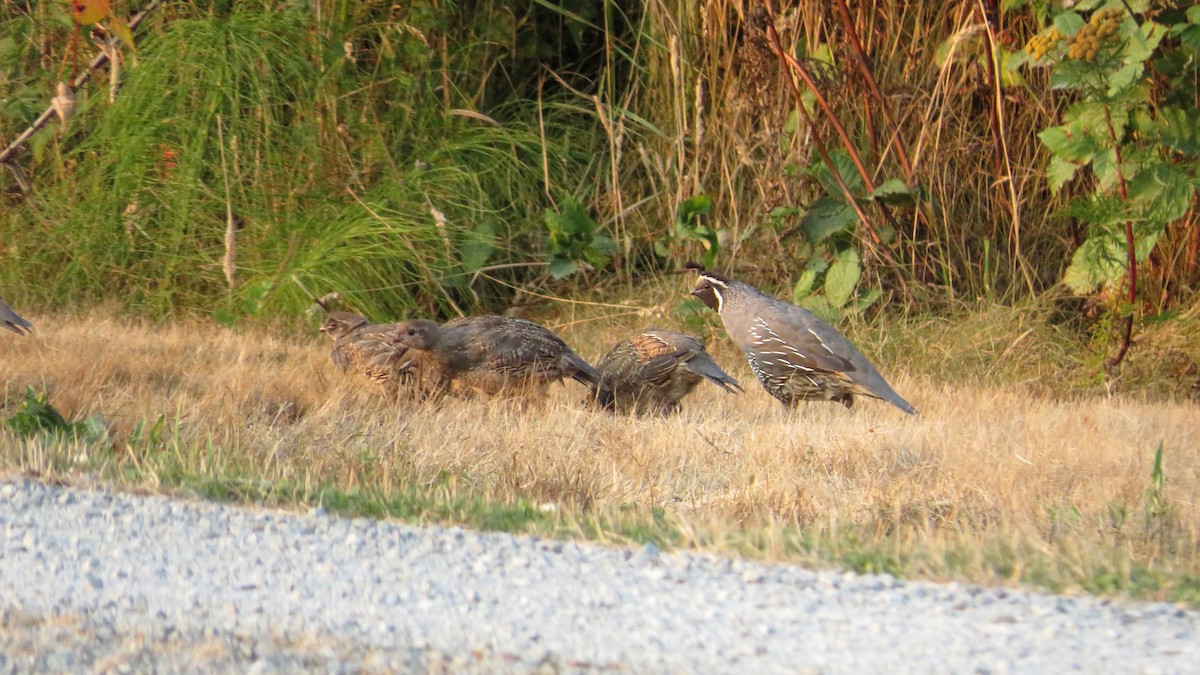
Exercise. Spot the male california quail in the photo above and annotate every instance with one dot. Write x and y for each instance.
(493, 354)
(12, 321)
(368, 349)
(650, 372)
(796, 356)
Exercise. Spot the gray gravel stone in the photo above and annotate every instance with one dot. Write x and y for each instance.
(93, 580)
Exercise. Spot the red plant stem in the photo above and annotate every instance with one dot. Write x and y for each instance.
(777, 48)
(860, 60)
(800, 70)
(1130, 250)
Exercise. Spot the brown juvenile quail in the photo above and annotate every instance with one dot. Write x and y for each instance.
(12, 321)
(650, 372)
(368, 349)
(493, 354)
(796, 356)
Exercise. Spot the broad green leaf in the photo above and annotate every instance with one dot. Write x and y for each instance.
(1126, 76)
(842, 277)
(866, 298)
(1141, 43)
(1164, 192)
(804, 285)
(1193, 14)
(817, 304)
(845, 168)
(893, 191)
(1059, 172)
(1088, 116)
(1076, 147)
(1099, 261)
(1068, 23)
(477, 247)
(1104, 165)
(1179, 129)
(562, 267)
(826, 217)
(1189, 38)
(693, 207)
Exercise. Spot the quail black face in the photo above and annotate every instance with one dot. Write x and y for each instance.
(708, 290)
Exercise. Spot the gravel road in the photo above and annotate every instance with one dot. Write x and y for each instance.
(95, 580)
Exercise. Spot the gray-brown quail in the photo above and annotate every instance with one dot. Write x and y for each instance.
(651, 371)
(796, 356)
(368, 349)
(493, 355)
(13, 321)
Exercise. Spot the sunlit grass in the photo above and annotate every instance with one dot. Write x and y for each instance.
(1016, 482)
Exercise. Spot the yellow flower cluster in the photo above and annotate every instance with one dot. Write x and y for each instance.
(1086, 42)
(1040, 45)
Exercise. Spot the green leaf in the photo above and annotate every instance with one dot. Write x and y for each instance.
(692, 208)
(866, 298)
(1193, 14)
(562, 267)
(1071, 145)
(827, 216)
(1099, 261)
(893, 191)
(1068, 23)
(845, 168)
(1059, 172)
(1089, 116)
(1179, 129)
(1163, 191)
(842, 277)
(819, 305)
(477, 247)
(804, 285)
(1104, 165)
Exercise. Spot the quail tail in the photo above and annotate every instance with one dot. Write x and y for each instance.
(709, 370)
(584, 372)
(884, 392)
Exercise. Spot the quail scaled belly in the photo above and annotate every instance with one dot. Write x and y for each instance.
(650, 373)
(367, 349)
(493, 355)
(796, 356)
(13, 321)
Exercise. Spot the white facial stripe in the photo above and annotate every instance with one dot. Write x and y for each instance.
(720, 300)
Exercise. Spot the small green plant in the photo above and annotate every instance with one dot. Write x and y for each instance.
(574, 240)
(829, 282)
(1129, 144)
(1158, 511)
(38, 416)
(691, 225)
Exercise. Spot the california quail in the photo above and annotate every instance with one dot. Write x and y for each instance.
(796, 356)
(650, 372)
(368, 349)
(12, 321)
(493, 354)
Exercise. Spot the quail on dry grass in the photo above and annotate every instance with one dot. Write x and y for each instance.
(493, 355)
(650, 372)
(796, 356)
(367, 349)
(13, 321)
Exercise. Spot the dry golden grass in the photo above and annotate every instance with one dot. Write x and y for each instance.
(990, 483)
